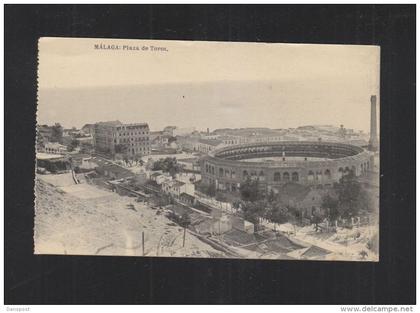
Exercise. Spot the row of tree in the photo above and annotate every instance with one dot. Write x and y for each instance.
(347, 199)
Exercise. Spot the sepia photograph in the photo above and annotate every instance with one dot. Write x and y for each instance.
(163, 148)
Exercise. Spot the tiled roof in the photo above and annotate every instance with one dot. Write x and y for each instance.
(110, 123)
(210, 142)
(178, 183)
(186, 195)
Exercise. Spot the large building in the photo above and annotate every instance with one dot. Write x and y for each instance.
(318, 164)
(115, 137)
(207, 145)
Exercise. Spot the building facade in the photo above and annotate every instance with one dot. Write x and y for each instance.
(54, 148)
(207, 145)
(175, 188)
(115, 137)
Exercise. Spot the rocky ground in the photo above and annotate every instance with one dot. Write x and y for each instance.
(85, 220)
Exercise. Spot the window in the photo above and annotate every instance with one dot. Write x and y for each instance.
(327, 174)
(277, 176)
(311, 176)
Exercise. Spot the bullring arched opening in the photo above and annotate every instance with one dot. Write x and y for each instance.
(311, 176)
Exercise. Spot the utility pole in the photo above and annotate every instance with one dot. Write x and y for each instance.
(142, 241)
(183, 239)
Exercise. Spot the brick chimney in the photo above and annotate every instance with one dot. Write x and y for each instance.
(373, 141)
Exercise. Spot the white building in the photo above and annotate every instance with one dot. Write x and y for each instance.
(207, 145)
(55, 148)
(175, 188)
(159, 178)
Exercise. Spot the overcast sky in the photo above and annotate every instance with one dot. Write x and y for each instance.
(206, 84)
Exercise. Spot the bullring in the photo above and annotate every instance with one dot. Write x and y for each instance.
(318, 164)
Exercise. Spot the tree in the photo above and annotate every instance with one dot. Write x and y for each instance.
(271, 197)
(316, 219)
(278, 214)
(72, 145)
(57, 133)
(352, 197)
(253, 211)
(237, 204)
(173, 171)
(184, 222)
(86, 147)
(330, 205)
(120, 148)
(168, 165)
(221, 197)
(249, 190)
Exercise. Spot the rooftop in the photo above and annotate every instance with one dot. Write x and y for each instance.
(178, 183)
(188, 160)
(54, 145)
(186, 195)
(210, 142)
(48, 156)
(88, 125)
(110, 123)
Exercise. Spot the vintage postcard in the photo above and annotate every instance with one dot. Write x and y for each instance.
(207, 149)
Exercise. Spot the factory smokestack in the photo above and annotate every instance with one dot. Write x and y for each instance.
(373, 141)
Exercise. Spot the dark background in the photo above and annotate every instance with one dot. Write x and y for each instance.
(31, 279)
